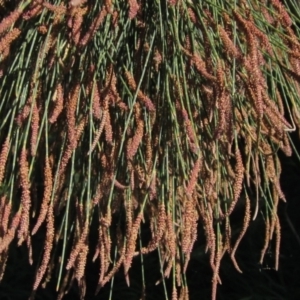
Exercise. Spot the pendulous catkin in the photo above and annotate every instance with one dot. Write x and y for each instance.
(9, 20)
(3, 157)
(25, 197)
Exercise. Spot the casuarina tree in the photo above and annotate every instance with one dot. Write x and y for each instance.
(118, 113)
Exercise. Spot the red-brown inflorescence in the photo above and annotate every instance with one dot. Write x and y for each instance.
(35, 120)
(25, 197)
(230, 48)
(138, 135)
(282, 13)
(242, 233)
(97, 111)
(5, 215)
(77, 24)
(99, 131)
(58, 99)
(10, 234)
(94, 27)
(7, 39)
(133, 8)
(77, 3)
(48, 183)
(3, 157)
(78, 246)
(35, 8)
(140, 95)
(8, 21)
(59, 9)
(47, 248)
(108, 129)
(194, 177)
(238, 180)
(131, 243)
(71, 113)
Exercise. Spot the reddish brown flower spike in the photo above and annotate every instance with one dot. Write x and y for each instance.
(3, 157)
(283, 14)
(194, 177)
(133, 8)
(47, 248)
(25, 197)
(59, 101)
(34, 128)
(10, 20)
(8, 39)
(48, 182)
